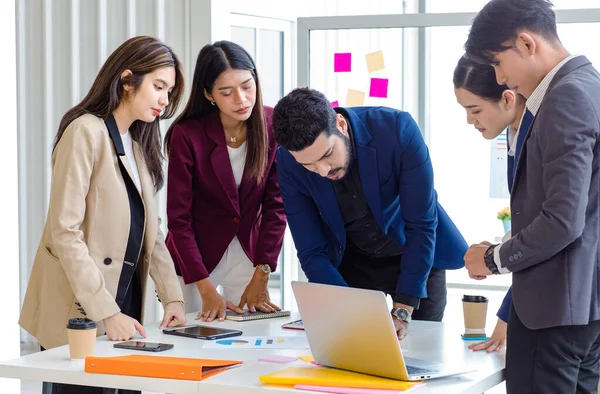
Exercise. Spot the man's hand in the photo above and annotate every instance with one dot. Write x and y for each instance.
(174, 315)
(121, 327)
(475, 263)
(401, 326)
(256, 294)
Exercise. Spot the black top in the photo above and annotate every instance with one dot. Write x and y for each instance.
(363, 233)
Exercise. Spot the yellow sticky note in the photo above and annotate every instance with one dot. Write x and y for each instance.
(375, 61)
(355, 98)
(308, 359)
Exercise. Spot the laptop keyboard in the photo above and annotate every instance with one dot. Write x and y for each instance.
(419, 371)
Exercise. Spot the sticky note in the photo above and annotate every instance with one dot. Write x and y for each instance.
(308, 359)
(335, 104)
(278, 359)
(379, 87)
(355, 98)
(481, 338)
(342, 62)
(375, 61)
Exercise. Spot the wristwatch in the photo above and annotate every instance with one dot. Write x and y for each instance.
(488, 258)
(265, 268)
(401, 314)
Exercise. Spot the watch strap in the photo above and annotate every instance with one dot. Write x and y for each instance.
(489, 260)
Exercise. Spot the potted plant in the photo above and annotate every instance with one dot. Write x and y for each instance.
(504, 215)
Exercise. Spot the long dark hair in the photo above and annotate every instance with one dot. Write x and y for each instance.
(479, 79)
(213, 60)
(141, 55)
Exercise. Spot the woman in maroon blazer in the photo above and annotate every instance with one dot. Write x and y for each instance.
(224, 208)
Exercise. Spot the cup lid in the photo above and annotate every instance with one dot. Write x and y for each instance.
(474, 298)
(81, 323)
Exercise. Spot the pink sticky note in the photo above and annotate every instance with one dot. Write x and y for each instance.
(278, 359)
(335, 104)
(342, 62)
(341, 390)
(379, 87)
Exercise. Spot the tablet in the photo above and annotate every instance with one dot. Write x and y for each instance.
(202, 332)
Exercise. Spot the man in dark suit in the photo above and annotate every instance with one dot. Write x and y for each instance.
(357, 188)
(553, 343)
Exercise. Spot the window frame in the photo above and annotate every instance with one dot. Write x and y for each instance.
(422, 21)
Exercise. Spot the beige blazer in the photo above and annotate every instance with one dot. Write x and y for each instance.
(80, 256)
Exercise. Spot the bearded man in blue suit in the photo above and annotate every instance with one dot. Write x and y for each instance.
(357, 187)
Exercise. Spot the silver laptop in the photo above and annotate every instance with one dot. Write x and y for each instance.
(352, 329)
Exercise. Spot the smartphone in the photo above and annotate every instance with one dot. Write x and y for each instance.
(145, 346)
(202, 332)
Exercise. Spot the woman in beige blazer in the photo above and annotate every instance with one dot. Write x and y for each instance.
(102, 236)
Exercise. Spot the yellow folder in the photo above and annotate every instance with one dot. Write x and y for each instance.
(331, 377)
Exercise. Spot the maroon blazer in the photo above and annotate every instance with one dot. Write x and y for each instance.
(205, 209)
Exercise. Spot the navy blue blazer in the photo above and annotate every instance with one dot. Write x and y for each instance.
(397, 177)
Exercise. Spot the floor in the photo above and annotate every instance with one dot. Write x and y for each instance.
(453, 314)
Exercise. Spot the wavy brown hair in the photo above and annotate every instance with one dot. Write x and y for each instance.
(141, 55)
(213, 60)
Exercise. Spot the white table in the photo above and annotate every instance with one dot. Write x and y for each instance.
(426, 340)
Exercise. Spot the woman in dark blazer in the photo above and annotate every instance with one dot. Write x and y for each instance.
(225, 213)
(492, 109)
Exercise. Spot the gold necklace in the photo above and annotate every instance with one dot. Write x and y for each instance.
(234, 139)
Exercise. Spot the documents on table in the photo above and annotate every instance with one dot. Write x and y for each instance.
(263, 342)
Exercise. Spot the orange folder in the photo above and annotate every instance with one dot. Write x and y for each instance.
(157, 366)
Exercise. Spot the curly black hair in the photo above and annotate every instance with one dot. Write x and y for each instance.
(301, 117)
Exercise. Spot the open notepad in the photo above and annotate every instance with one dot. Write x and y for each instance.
(231, 315)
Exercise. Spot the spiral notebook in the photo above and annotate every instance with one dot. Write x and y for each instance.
(247, 316)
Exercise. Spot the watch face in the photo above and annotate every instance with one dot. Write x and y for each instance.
(402, 314)
(266, 269)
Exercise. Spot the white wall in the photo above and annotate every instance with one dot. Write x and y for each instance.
(9, 200)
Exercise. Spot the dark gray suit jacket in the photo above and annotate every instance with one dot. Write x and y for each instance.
(554, 252)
